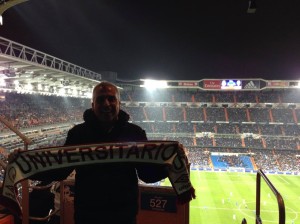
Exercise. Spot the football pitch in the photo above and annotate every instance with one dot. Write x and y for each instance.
(228, 197)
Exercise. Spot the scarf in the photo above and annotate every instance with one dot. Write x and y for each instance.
(28, 163)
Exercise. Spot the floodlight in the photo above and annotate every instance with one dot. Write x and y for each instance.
(88, 95)
(40, 87)
(29, 86)
(62, 91)
(154, 84)
(2, 82)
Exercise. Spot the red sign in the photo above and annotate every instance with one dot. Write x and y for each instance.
(278, 83)
(187, 83)
(212, 84)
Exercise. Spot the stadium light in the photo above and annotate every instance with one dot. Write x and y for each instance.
(154, 84)
(2, 82)
(29, 86)
(88, 95)
(40, 87)
(62, 92)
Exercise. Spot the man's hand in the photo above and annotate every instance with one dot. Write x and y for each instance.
(14, 155)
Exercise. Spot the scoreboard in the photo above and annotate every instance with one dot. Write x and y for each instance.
(254, 84)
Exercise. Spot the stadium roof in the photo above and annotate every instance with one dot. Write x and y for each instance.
(26, 70)
(31, 69)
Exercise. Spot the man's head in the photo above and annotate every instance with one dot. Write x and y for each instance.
(106, 102)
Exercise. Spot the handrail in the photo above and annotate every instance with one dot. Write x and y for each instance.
(280, 201)
(44, 187)
(25, 185)
(26, 140)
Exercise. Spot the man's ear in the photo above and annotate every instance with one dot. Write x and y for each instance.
(92, 106)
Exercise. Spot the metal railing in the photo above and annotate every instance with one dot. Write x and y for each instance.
(281, 207)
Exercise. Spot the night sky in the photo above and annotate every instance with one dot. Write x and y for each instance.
(178, 40)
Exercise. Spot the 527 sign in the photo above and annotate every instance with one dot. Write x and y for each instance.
(158, 202)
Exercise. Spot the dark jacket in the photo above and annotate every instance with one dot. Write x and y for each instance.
(109, 189)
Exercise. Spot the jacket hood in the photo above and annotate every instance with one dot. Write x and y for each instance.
(89, 116)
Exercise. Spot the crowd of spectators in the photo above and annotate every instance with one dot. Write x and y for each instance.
(271, 133)
(232, 161)
(25, 111)
(271, 160)
(192, 95)
(214, 114)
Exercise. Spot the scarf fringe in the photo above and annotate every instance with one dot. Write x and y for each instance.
(187, 196)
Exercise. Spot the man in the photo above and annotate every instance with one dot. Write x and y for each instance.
(108, 194)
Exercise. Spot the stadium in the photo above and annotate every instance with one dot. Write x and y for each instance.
(231, 128)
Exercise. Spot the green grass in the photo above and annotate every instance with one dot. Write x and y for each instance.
(224, 198)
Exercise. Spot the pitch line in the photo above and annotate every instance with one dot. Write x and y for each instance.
(237, 209)
(284, 180)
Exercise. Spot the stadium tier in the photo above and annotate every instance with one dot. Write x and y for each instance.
(256, 126)
(234, 131)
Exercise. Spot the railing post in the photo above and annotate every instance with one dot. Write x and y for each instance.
(25, 197)
(257, 212)
(280, 201)
(25, 185)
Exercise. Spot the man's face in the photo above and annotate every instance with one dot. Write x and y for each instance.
(106, 103)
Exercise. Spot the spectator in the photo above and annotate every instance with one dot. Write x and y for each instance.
(107, 193)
